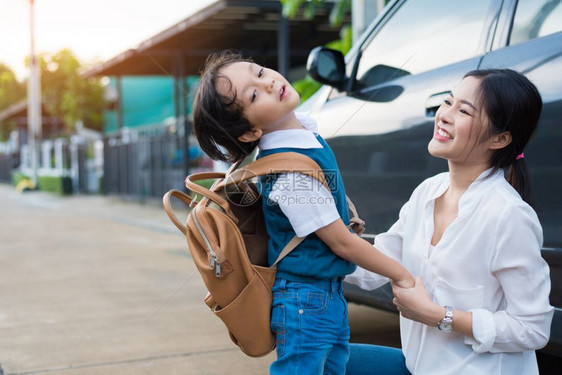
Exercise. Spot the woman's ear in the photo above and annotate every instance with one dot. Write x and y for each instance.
(251, 135)
(500, 141)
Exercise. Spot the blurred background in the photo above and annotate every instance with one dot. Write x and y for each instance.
(95, 97)
(95, 117)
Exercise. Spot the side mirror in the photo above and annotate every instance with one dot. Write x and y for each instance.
(327, 66)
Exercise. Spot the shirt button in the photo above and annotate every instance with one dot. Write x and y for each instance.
(301, 311)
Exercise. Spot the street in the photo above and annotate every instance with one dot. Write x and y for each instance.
(96, 285)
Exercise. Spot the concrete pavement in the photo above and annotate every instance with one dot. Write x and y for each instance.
(95, 285)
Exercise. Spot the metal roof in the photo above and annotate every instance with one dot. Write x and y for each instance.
(249, 26)
(18, 109)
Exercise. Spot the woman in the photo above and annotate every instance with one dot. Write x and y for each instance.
(480, 303)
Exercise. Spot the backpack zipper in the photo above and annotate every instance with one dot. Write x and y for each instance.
(214, 260)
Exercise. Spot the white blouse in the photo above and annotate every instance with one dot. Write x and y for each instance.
(487, 262)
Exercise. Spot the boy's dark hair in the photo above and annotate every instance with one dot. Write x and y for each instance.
(512, 104)
(218, 119)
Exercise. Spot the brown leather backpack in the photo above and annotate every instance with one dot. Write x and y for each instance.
(227, 239)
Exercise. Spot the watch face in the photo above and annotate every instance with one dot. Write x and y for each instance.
(445, 326)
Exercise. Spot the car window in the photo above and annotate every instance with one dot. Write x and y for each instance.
(422, 35)
(536, 18)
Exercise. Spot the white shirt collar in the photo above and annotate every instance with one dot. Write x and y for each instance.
(293, 138)
(474, 192)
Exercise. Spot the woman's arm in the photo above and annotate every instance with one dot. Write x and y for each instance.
(354, 249)
(523, 323)
(391, 244)
(416, 304)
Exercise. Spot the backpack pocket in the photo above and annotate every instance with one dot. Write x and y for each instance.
(248, 318)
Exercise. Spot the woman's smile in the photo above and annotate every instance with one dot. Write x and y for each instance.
(442, 135)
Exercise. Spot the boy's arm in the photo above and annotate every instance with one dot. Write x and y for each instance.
(353, 248)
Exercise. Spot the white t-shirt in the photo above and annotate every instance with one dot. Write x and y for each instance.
(305, 201)
(488, 262)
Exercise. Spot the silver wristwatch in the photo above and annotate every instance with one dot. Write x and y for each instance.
(446, 324)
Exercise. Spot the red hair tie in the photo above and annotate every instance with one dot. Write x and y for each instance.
(520, 156)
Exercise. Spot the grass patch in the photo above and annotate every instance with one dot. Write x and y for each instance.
(18, 177)
(61, 185)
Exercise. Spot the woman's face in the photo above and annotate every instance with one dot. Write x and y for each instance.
(461, 126)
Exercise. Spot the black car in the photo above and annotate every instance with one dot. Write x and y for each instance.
(377, 107)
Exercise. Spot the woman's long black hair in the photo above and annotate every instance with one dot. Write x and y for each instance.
(512, 104)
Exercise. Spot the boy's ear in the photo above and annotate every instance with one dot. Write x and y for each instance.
(251, 135)
(500, 141)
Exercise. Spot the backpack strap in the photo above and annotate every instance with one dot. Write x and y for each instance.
(168, 207)
(291, 162)
(276, 163)
(282, 162)
(190, 183)
(295, 241)
(355, 223)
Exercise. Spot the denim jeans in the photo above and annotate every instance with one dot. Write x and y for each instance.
(375, 360)
(309, 320)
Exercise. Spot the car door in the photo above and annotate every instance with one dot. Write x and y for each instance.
(379, 126)
(533, 46)
(531, 43)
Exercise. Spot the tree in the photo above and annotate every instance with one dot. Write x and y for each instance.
(11, 90)
(306, 87)
(340, 9)
(69, 96)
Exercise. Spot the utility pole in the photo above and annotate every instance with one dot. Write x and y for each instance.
(34, 125)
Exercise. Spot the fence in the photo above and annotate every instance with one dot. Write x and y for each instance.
(66, 158)
(142, 165)
(7, 164)
(132, 164)
(9, 157)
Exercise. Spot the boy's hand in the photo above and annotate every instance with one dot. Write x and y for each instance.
(416, 304)
(407, 282)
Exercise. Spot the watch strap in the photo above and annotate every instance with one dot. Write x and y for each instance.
(446, 324)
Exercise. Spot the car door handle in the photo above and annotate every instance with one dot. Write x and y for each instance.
(434, 102)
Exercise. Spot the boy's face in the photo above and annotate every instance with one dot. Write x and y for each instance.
(267, 98)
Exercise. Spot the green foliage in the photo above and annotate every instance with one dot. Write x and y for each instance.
(206, 184)
(17, 177)
(344, 43)
(11, 90)
(61, 185)
(69, 96)
(306, 87)
(340, 9)
(65, 94)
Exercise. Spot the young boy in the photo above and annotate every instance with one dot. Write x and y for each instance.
(240, 105)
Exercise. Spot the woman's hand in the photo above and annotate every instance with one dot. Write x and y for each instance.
(415, 303)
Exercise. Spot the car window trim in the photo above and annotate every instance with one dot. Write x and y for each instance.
(485, 43)
(505, 24)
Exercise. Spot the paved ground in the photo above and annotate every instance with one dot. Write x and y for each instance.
(95, 285)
